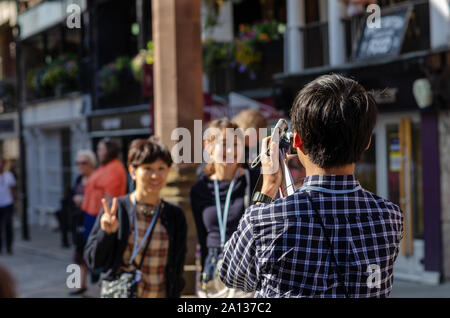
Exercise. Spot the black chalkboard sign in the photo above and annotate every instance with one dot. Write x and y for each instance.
(388, 38)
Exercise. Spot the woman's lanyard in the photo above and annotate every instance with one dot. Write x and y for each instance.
(136, 249)
(222, 218)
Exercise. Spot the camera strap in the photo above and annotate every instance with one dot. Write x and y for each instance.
(247, 189)
(328, 240)
(288, 181)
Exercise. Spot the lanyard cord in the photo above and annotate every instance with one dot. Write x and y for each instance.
(331, 191)
(222, 218)
(137, 248)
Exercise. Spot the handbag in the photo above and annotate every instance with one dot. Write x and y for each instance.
(126, 284)
(209, 284)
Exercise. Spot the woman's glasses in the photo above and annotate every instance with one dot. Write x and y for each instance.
(82, 163)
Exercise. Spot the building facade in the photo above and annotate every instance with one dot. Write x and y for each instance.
(9, 119)
(54, 101)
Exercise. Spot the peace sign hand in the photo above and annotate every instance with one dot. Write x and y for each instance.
(109, 222)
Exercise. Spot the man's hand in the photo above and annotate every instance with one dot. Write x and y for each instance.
(271, 168)
(109, 222)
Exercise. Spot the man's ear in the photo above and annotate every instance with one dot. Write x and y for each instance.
(368, 145)
(298, 143)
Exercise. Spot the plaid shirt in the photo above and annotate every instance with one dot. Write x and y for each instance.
(279, 249)
(153, 284)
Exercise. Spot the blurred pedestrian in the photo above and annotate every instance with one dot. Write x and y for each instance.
(63, 216)
(86, 163)
(218, 201)
(7, 284)
(7, 201)
(141, 238)
(251, 118)
(107, 181)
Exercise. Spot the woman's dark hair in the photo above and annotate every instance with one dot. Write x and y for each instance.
(144, 151)
(7, 285)
(112, 149)
(221, 123)
(334, 116)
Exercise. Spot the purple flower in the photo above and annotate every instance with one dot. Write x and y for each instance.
(252, 76)
(242, 68)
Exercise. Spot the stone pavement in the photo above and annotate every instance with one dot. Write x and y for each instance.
(39, 265)
(404, 289)
(39, 268)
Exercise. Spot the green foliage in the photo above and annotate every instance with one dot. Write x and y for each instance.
(61, 71)
(145, 56)
(217, 54)
(109, 75)
(213, 8)
(245, 51)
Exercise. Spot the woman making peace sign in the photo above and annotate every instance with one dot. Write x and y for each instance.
(141, 233)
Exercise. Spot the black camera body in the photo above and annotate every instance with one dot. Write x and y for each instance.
(285, 134)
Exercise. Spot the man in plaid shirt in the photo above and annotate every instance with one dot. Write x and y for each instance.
(331, 238)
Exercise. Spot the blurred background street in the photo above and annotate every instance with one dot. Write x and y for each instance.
(78, 74)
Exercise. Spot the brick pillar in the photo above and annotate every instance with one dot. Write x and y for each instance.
(178, 96)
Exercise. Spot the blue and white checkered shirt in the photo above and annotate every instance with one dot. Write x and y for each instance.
(279, 249)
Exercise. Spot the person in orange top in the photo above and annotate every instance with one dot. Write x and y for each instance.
(107, 181)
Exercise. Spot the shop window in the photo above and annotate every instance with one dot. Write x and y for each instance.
(365, 169)
(51, 63)
(122, 30)
(114, 30)
(395, 157)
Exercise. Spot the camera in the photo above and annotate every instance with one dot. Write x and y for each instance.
(286, 136)
(283, 135)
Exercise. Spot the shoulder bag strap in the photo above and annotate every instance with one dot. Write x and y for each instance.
(333, 257)
(149, 236)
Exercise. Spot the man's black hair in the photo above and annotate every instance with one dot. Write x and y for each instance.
(334, 116)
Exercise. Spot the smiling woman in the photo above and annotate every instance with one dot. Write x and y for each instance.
(140, 226)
